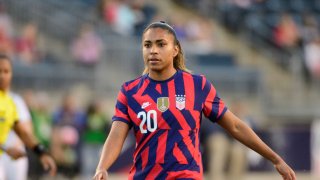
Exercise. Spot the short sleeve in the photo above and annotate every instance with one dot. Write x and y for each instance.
(15, 114)
(121, 108)
(213, 107)
(22, 108)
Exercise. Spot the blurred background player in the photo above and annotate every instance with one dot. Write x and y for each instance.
(19, 165)
(9, 119)
(66, 144)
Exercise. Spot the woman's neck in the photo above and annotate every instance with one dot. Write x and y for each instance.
(162, 75)
(4, 90)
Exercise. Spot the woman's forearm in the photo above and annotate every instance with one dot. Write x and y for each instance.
(248, 137)
(243, 133)
(113, 145)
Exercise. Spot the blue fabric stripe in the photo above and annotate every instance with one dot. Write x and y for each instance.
(198, 99)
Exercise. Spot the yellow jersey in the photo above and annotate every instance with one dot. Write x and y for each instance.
(8, 115)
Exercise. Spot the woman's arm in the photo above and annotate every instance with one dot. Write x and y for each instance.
(111, 148)
(243, 133)
(26, 135)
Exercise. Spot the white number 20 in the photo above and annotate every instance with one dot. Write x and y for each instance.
(146, 118)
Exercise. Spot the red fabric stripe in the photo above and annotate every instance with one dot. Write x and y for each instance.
(132, 172)
(119, 113)
(154, 172)
(141, 144)
(132, 84)
(176, 112)
(209, 100)
(189, 90)
(134, 117)
(161, 149)
(144, 157)
(136, 121)
(192, 149)
(142, 88)
(158, 88)
(179, 155)
(122, 98)
(184, 174)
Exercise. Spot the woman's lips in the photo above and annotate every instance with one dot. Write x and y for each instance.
(153, 60)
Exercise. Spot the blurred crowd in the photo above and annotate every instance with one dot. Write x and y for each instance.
(289, 26)
(22, 45)
(73, 134)
(27, 43)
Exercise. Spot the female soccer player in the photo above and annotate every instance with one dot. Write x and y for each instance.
(9, 120)
(164, 108)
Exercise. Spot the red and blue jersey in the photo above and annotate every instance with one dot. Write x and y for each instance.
(166, 117)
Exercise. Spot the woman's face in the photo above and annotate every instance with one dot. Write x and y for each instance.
(5, 74)
(158, 49)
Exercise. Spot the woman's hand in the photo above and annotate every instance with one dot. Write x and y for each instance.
(48, 164)
(286, 172)
(15, 153)
(100, 175)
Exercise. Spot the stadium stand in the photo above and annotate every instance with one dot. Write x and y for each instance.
(279, 98)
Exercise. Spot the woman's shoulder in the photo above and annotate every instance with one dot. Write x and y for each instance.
(193, 75)
(133, 81)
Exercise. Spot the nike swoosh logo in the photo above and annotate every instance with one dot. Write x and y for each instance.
(146, 104)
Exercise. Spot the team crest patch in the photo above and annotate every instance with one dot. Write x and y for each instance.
(180, 101)
(163, 103)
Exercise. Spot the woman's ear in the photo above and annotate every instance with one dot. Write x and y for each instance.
(176, 51)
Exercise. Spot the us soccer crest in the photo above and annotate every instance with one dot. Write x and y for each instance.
(180, 101)
(163, 103)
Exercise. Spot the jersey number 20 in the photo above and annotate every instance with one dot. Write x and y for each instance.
(146, 118)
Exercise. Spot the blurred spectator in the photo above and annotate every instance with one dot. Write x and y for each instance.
(200, 36)
(41, 121)
(312, 58)
(215, 143)
(95, 132)
(179, 25)
(286, 33)
(109, 10)
(87, 47)
(224, 157)
(6, 44)
(120, 16)
(38, 106)
(144, 13)
(68, 124)
(127, 17)
(27, 44)
(309, 29)
(5, 21)
(196, 34)
(234, 12)
(6, 31)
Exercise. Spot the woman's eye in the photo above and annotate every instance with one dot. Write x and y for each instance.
(147, 45)
(162, 44)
